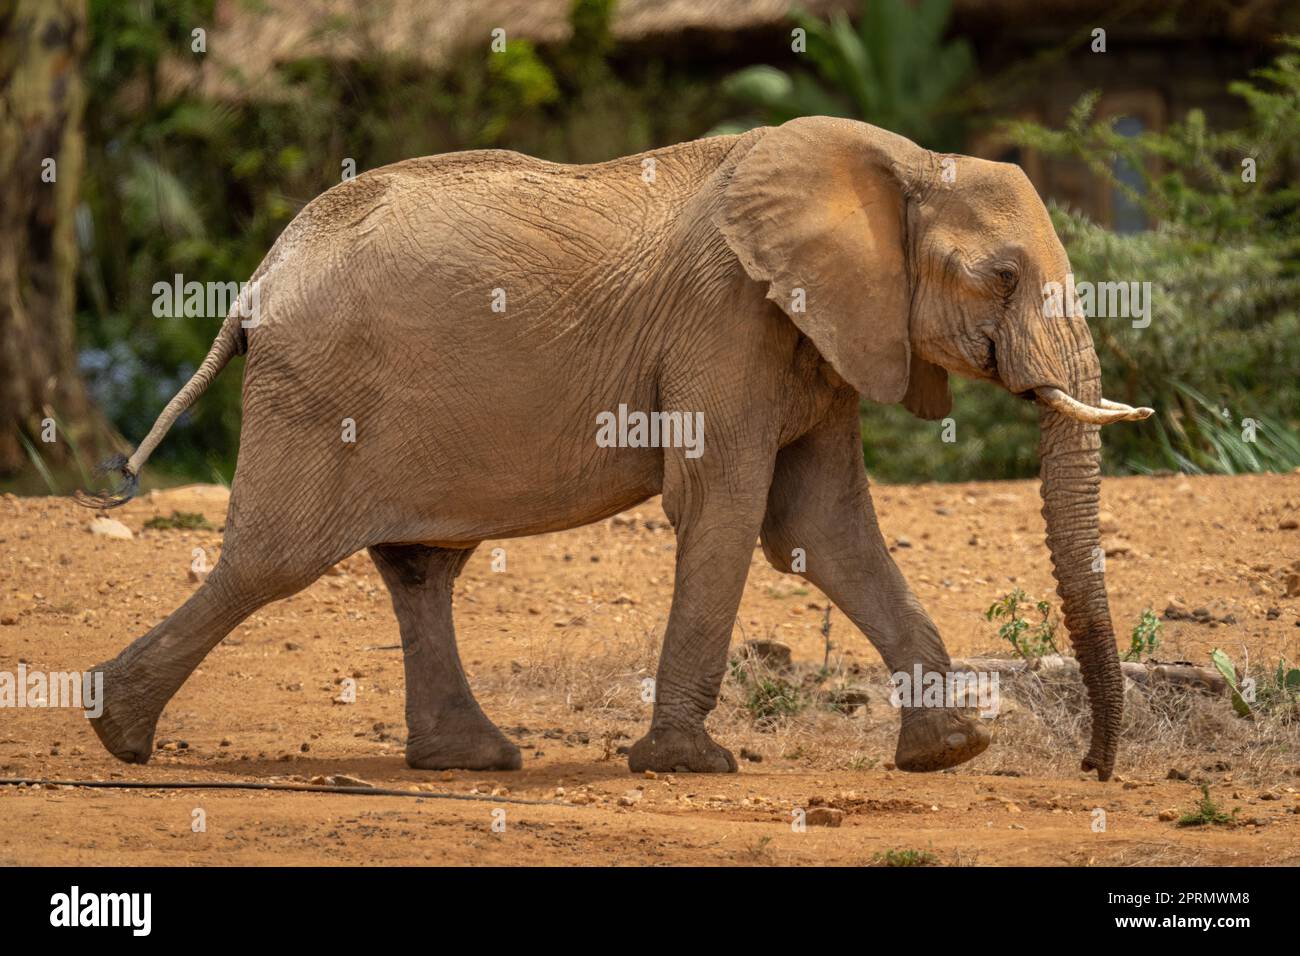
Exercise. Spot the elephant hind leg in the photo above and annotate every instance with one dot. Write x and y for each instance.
(446, 728)
(138, 683)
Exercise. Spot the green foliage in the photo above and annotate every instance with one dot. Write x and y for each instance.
(893, 70)
(996, 436)
(767, 697)
(1146, 636)
(905, 858)
(1223, 664)
(520, 80)
(1276, 689)
(1207, 813)
(179, 521)
(1030, 640)
(38, 462)
(1210, 441)
(1284, 686)
(1218, 360)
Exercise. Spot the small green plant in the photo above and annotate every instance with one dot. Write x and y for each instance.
(1146, 636)
(1223, 664)
(1029, 639)
(1284, 687)
(1207, 813)
(179, 521)
(1279, 688)
(905, 858)
(767, 697)
(39, 464)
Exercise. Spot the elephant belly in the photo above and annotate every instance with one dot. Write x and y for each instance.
(506, 471)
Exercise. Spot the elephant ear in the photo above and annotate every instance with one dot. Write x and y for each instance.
(817, 209)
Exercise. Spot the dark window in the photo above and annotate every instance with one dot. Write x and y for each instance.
(1126, 215)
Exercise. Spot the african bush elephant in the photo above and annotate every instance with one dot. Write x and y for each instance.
(473, 316)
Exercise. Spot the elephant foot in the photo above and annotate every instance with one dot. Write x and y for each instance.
(669, 750)
(936, 739)
(123, 727)
(476, 746)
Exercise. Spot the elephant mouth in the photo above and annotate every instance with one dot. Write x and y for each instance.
(991, 360)
(1051, 396)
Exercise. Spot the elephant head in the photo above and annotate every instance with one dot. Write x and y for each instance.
(902, 265)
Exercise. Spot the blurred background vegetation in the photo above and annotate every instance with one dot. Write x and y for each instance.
(189, 162)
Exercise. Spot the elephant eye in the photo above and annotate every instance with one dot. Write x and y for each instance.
(1007, 277)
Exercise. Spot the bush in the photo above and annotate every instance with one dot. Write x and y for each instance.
(1218, 360)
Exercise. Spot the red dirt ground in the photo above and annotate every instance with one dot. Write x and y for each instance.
(556, 647)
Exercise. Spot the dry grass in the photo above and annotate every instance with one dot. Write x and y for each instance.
(1166, 727)
(1042, 728)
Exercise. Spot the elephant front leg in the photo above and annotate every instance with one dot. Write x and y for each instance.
(819, 508)
(715, 543)
(446, 728)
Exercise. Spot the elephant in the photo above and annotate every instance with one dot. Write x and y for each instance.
(471, 317)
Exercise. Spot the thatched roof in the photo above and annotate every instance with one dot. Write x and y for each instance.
(250, 38)
(1232, 19)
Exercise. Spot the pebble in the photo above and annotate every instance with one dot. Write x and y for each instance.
(824, 817)
(346, 780)
(110, 528)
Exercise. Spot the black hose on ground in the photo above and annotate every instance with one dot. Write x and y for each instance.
(253, 785)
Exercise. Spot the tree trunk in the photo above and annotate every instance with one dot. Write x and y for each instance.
(41, 101)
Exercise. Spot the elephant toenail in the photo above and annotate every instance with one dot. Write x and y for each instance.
(956, 740)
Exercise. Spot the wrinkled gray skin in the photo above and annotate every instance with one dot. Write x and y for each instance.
(679, 293)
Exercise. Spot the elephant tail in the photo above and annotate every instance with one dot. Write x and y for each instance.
(230, 341)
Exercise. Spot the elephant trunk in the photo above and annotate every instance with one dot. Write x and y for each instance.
(1070, 454)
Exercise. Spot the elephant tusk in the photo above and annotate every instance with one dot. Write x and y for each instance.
(1104, 413)
(1107, 404)
(1131, 414)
